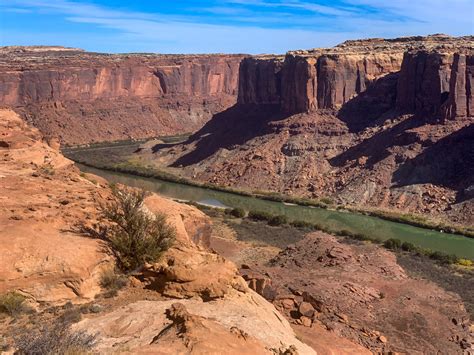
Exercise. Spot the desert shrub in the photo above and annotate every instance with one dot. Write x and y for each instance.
(72, 315)
(392, 244)
(259, 216)
(465, 262)
(237, 212)
(278, 220)
(360, 236)
(326, 200)
(345, 233)
(407, 246)
(444, 258)
(56, 338)
(12, 303)
(112, 281)
(317, 227)
(135, 235)
(301, 224)
(4, 346)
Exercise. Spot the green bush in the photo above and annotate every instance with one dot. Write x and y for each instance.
(360, 236)
(259, 216)
(135, 236)
(317, 227)
(237, 212)
(278, 220)
(444, 258)
(392, 244)
(326, 200)
(345, 233)
(407, 246)
(12, 303)
(301, 224)
(465, 262)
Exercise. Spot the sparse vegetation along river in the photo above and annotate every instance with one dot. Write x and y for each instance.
(372, 227)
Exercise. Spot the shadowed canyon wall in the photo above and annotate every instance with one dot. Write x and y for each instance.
(84, 97)
(434, 76)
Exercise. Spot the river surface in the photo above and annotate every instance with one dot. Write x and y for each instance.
(338, 220)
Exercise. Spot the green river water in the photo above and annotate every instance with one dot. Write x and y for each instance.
(357, 223)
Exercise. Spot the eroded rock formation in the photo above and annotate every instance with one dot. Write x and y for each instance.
(329, 78)
(84, 97)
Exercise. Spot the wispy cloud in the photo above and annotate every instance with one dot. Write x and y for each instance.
(253, 26)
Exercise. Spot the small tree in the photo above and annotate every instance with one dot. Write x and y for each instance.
(135, 235)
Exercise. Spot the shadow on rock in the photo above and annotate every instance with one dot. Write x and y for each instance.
(230, 128)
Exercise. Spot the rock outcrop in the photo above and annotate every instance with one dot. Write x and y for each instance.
(82, 97)
(423, 84)
(461, 87)
(237, 319)
(330, 78)
(359, 292)
(259, 81)
(42, 198)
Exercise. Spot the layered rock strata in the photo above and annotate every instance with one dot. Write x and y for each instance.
(329, 78)
(83, 97)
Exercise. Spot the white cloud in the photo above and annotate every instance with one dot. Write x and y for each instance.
(255, 32)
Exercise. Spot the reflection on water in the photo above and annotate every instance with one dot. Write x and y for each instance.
(371, 226)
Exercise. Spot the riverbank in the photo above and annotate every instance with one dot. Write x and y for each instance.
(118, 163)
(393, 244)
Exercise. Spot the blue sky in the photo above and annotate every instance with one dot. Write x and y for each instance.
(225, 26)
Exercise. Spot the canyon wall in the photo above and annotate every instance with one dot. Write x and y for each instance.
(84, 97)
(461, 87)
(434, 76)
(305, 83)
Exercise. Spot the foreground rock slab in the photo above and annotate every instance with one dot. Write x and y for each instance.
(138, 324)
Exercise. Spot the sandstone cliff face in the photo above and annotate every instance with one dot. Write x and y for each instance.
(166, 94)
(306, 83)
(259, 81)
(121, 77)
(423, 84)
(330, 78)
(461, 87)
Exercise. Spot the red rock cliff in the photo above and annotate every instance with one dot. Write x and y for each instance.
(461, 87)
(116, 96)
(330, 78)
(259, 81)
